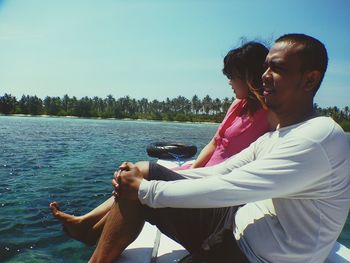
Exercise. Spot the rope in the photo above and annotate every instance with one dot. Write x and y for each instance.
(178, 158)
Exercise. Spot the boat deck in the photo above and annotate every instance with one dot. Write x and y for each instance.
(153, 247)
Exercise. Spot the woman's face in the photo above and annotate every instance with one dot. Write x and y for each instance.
(239, 87)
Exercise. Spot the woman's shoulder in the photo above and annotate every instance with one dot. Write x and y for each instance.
(237, 104)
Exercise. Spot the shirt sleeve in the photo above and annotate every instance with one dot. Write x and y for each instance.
(290, 170)
(244, 157)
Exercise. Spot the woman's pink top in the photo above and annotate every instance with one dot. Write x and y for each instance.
(236, 132)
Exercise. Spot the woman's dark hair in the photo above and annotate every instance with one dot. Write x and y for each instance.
(247, 64)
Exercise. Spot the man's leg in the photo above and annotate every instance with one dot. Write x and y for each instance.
(123, 224)
(195, 229)
(206, 233)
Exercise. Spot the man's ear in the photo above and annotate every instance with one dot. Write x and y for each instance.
(312, 79)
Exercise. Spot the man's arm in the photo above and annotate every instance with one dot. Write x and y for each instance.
(244, 157)
(128, 179)
(290, 170)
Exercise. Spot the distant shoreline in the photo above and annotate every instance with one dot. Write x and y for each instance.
(122, 119)
(100, 118)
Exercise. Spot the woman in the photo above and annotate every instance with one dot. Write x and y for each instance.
(247, 118)
(245, 121)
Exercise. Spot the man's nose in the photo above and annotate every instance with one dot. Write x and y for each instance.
(266, 75)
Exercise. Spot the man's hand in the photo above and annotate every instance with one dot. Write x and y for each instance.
(126, 182)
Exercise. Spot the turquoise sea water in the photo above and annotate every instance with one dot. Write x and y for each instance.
(71, 161)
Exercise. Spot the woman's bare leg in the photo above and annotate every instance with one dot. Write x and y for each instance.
(88, 228)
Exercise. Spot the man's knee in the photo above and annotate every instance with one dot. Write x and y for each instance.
(143, 166)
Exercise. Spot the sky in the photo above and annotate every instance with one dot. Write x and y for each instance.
(157, 48)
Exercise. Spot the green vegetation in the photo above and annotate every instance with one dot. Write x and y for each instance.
(176, 109)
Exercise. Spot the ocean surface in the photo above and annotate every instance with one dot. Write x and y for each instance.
(71, 161)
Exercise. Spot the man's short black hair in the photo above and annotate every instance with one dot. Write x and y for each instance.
(313, 53)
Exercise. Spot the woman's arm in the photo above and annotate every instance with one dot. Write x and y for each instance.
(209, 149)
(205, 154)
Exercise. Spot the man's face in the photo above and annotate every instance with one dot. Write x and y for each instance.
(283, 79)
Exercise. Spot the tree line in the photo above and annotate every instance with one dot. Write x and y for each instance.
(176, 109)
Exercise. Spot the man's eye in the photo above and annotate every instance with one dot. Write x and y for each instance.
(276, 68)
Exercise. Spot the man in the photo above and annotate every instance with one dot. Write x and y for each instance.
(294, 182)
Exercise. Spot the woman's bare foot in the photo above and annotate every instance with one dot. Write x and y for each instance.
(74, 226)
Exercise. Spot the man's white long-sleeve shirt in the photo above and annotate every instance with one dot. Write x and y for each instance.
(295, 183)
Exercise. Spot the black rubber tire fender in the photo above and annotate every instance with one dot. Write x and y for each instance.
(170, 150)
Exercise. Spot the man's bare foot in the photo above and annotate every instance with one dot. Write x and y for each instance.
(74, 226)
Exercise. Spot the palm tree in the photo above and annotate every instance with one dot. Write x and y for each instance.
(35, 105)
(196, 104)
(8, 104)
(346, 111)
(207, 104)
(216, 105)
(110, 105)
(65, 103)
(143, 105)
(226, 103)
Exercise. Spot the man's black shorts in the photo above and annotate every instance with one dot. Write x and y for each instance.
(206, 233)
